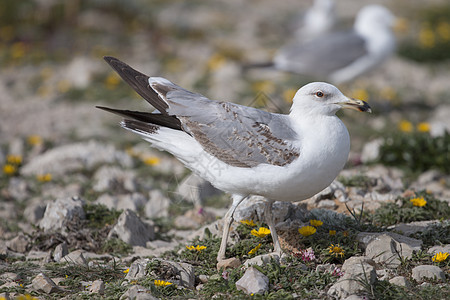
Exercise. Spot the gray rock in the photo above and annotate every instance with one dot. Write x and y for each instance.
(336, 190)
(60, 251)
(365, 238)
(356, 269)
(157, 247)
(183, 271)
(387, 251)
(75, 257)
(435, 249)
(253, 282)
(185, 222)
(253, 209)
(18, 188)
(7, 211)
(97, 287)
(355, 297)
(112, 178)
(439, 121)
(262, 260)
(34, 212)
(327, 204)
(75, 157)
(203, 278)
(137, 269)
(158, 205)
(60, 212)
(400, 281)
(137, 292)
(422, 272)
(195, 189)
(413, 227)
(134, 201)
(39, 255)
(42, 283)
(130, 229)
(229, 263)
(19, 244)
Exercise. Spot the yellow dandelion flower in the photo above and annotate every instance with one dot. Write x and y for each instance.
(423, 127)
(34, 140)
(405, 126)
(44, 177)
(64, 86)
(216, 61)
(316, 223)
(265, 86)
(198, 248)
(162, 283)
(336, 250)
(289, 94)
(418, 201)
(307, 230)
(261, 232)
(254, 250)
(14, 159)
(151, 160)
(43, 91)
(440, 257)
(9, 169)
(18, 50)
(248, 222)
(443, 30)
(361, 94)
(112, 80)
(332, 232)
(427, 38)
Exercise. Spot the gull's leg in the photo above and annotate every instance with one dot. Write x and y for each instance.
(227, 224)
(273, 232)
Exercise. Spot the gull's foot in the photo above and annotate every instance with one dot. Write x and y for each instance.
(229, 263)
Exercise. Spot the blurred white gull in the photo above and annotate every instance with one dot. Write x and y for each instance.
(317, 20)
(243, 150)
(342, 56)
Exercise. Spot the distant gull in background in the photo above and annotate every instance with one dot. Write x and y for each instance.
(342, 56)
(243, 150)
(317, 20)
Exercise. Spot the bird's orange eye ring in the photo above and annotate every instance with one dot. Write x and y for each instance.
(319, 94)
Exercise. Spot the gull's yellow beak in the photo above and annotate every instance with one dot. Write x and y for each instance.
(356, 104)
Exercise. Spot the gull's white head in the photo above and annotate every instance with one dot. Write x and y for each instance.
(320, 98)
(374, 17)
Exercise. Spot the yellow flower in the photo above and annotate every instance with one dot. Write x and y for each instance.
(64, 86)
(34, 140)
(151, 160)
(162, 283)
(44, 177)
(198, 248)
(254, 250)
(265, 86)
(418, 201)
(361, 94)
(126, 271)
(336, 250)
(112, 81)
(261, 232)
(405, 126)
(249, 223)
(9, 169)
(443, 29)
(289, 94)
(426, 37)
(423, 127)
(316, 223)
(332, 232)
(216, 61)
(440, 257)
(14, 159)
(18, 50)
(307, 230)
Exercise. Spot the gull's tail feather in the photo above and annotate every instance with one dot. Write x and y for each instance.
(145, 117)
(139, 82)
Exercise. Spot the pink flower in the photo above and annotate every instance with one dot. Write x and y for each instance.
(308, 255)
(225, 274)
(337, 272)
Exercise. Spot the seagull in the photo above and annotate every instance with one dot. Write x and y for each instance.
(243, 150)
(343, 56)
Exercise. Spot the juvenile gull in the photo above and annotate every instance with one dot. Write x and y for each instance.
(342, 56)
(242, 150)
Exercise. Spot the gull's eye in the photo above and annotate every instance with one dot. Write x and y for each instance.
(319, 94)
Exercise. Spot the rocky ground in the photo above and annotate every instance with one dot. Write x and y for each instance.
(89, 211)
